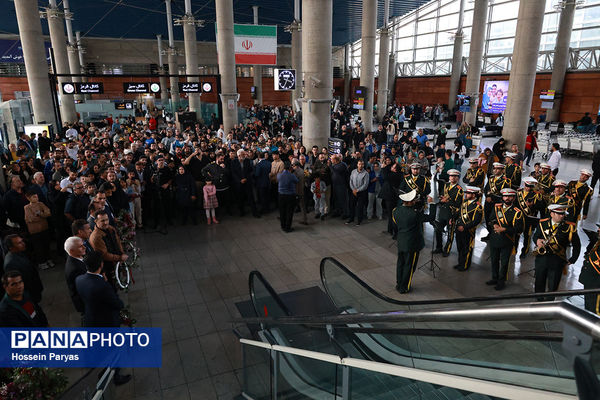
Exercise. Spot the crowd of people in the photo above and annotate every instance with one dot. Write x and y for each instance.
(77, 190)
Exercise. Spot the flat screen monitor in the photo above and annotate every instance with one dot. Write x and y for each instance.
(495, 94)
(547, 94)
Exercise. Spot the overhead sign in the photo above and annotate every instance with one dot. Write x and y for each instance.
(189, 87)
(284, 79)
(90, 88)
(207, 87)
(335, 146)
(155, 87)
(255, 44)
(547, 94)
(358, 100)
(68, 88)
(11, 51)
(135, 87)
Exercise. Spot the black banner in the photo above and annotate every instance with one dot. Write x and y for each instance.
(135, 87)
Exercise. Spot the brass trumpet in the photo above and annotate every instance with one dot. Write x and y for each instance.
(540, 251)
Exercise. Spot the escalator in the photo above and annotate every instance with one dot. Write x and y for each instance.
(522, 352)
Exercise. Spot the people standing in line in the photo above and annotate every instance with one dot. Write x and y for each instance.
(552, 238)
(286, 188)
(507, 223)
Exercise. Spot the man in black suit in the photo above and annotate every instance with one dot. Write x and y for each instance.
(242, 174)
(81, 229)
(74, 267)
(17, 310)
(17, 260)
(101, 303)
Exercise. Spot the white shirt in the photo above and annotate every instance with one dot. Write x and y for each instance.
(554, 160)
(72, 153)
(66, 182)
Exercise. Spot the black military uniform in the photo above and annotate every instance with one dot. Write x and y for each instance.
(549, 266)
(590, 277)
(581, 194)
(470, 216)
(513, 173)
(562, 200)
(409, 220)
(419, 183)
(502, 244)
(530, 203)
(545, 182)
(493, 188)
(448, 211)
(475, 177)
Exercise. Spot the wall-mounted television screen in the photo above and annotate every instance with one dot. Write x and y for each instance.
(495, 94)
(547, 94)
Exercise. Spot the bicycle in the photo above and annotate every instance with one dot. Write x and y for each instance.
(124, 269)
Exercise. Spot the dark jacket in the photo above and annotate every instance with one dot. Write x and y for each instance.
(102, 305)
(13, 315)
(77, 206)
(29, 273)
(339, 174)
(185, 188)
(239, 172)
(14, 203)
(74, 268)
(261, 173)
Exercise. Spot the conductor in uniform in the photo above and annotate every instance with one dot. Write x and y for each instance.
(590, 276)
(505, 225)
(409, 220)
(469, 218)
(449, 208)
(552, 237)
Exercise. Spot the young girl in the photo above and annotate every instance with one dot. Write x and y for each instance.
(134, 192)
(210, 202)
(36, 217)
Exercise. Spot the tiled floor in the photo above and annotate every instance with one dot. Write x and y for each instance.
(191, 279)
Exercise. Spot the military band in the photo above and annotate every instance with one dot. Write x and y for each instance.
(530, 203)
(494, 186)
(581, 194)
(552, 238)
(475, 176)
(419, 183)
(469, 218)
(559, 196)
(449, 208)
(512, 171)
(545, 179)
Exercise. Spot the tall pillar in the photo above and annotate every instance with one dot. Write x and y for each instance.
(384, 60)
(191, 56)
(61, 60)
(226, 53)
(318, 73)
(392, 76)
(478, 30)
(561, 57)
(80, 53)
(522, 73)
(172, 60)
(347, 73)
(367, 60)
(73, 52)
(257, 76)
(456, 58)
(297, 51)
(164, 92)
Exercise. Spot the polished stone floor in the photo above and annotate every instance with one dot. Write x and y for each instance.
(190, 280)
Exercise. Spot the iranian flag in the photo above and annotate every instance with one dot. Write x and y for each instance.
(255, 44)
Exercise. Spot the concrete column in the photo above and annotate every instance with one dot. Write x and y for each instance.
(392, 77)
(73, 52)
(80, 53)
(257, 69)
(367, 60)
(34, 54)
(476, 49)
(226, 52)
(384, 59)
(61, 59)
(172, 61)
(522, 73)
(191, 56)
(456, 58)
(317, 65)
(561, 57)
(295, 29)
(347, 73)
(164, 92)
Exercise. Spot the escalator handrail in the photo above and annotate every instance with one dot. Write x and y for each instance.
(565, 293)
(559, 310)
(257, 275)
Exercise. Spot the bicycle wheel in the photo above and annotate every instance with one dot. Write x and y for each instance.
(122, 274)
(132, 251)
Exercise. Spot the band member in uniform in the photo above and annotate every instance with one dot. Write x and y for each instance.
(559, 196)
(530, 203)
(505, 225)
(512, 170)
(581, 194)
(537, 172)
(417, 182)
(475, 176)
(590, 276)
(469, 218)
(546, 179)
(494, 186)
(409, 219)
(449, 208)
(552, 237)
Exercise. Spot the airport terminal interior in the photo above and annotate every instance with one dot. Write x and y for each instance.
(310, 199)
